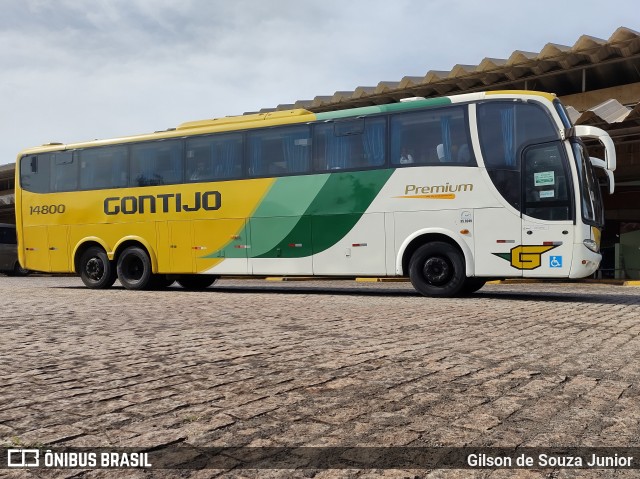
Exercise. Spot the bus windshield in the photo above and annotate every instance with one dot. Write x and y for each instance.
(591, 199)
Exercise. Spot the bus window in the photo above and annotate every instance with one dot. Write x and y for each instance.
(431, 137)
(546, 183)
(65, 172)
(504, 129)
(156, 163)
(35, 172)
(214, 158)
(349, 144)
(507, 127)
(103, 167)
(279, 151)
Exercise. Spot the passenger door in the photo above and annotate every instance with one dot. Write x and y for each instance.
(547, 212)
(180, 247)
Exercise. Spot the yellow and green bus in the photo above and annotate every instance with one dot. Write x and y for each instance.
(449, 191)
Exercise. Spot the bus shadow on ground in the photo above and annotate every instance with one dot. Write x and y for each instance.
(613, 299)
(533, 296)
(539, 296)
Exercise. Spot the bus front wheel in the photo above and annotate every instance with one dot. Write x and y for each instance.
(96, 271)
(471, 285)
(196, 282)
(437, 269)
(134, 268)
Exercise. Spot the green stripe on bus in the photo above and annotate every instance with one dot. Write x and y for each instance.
(333, 213)
(390, 108)
(287, 201)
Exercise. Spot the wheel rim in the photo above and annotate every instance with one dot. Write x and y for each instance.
(437, 271)
(133, 268)
(94, 269)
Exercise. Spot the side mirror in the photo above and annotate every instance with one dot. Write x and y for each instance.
(603, 137)
(598, 163)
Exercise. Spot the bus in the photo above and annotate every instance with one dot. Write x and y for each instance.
(448, 191)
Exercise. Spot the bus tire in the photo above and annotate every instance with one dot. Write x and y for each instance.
(19, 270)
(471, 285)
(196, 282)
(134, 268)
(96, 271)
(160, 281)
(437, 269)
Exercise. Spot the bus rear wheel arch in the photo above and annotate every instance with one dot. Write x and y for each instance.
(437, 269)
(96, 271)
(134, 268)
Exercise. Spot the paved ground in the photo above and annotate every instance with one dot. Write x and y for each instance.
(319, 364)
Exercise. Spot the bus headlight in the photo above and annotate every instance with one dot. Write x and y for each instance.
(591, 244)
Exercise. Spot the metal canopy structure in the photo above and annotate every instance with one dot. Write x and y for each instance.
(590, 64)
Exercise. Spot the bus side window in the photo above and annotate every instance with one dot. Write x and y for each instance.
(279, 151)
(431, 137)
(104, 167)
(216, 157)
(65, 172)
(505, 128)
(156, 163)
(546, 192)
(348, 144)
(35, 173)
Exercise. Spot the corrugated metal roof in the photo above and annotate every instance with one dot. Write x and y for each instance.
(610, 111)
(531, 70)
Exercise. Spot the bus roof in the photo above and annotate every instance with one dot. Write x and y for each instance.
(259, 120)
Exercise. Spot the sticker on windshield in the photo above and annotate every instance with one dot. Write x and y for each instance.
(547, 194)
(544, 178)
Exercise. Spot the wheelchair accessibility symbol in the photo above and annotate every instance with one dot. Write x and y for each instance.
(555, 261)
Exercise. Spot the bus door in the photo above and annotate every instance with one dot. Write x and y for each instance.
(180, 247)
(47, 248)
(58, 246)
(547, 211)
(526, 162)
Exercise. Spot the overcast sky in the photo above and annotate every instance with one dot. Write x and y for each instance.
(74, 70)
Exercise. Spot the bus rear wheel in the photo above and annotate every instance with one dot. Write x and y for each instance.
(196, 282)
(96, 271)
(19, 270)
(160, 281)
(437, 269)
(134, 268)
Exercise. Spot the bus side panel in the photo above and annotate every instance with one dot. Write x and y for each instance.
(450, 223)
(360, 252)
(112, 235)
(217, 239)
(59, 248)
(291, 253)
(391, 246)
(498, 236)
(36, 248)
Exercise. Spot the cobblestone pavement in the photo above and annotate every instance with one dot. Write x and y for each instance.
(333, 363)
